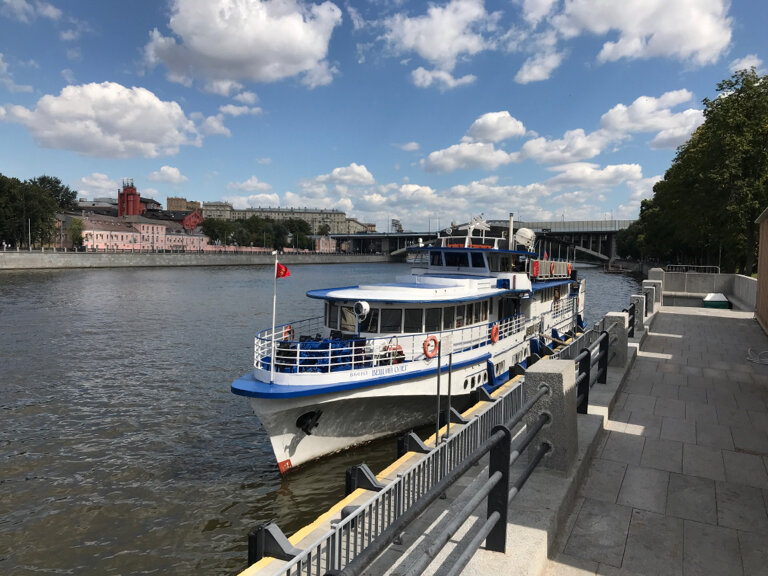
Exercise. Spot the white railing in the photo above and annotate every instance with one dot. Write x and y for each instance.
(306, 346)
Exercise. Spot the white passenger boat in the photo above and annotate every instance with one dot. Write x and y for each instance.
(367, 367)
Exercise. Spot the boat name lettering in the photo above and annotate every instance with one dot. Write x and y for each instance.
(381, 371)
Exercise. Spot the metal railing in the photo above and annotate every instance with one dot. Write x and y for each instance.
(305, 346)
(692, 268)
(349, 536)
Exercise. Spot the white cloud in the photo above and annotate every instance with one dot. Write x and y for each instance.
(264, 161)
(97, 185)
(6, 79)
(352, 175)
(251, 185)
(648, 114)
(575, 145)
(536, 10)
(149, 193)
(68, 76)
(214, 125)
(539, 67)
(2, 112)
(424, 78)
(441, 36)
(108, 120)
(253, 201)
(249, 98)
(749, 61)
(258, 41)
(698, 31)
(168, 174)
(26, 12)
(410, 146)
(467, 156)
(233, 110)
(591, 176)
(496, 126)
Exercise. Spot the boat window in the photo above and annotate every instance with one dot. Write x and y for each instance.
(333, 316)
(348, 320)
(432, 319)
(391, 319)
(470, 314)
(371, 322)
(484, 316)
(477, 260)
(436, 258)
(448, 316)
(456, 259)
(460, 315)
(413, 320)
(493, 262)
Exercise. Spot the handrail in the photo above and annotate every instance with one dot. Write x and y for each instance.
(693, 268)
(299, 350)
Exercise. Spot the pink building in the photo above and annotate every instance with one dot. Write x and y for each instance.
(137, 233)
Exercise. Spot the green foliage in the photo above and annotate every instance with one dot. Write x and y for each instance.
(27, 212)
(76, 228)
(257, 231)
(65, 197)
(704, 210)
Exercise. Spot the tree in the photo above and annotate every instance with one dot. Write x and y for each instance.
(29, 212)
(75, 230)
(704, 210)
(65, 197)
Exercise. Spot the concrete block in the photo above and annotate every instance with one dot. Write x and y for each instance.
(657, 285)
(710, 550)
(649, 290)
(620, 323)
(659, 275)
(692, 498)
(703, 461)
(747, 469)
(741, 507)
(600, 532)
(639, 301)
(644, 488)
(649, 531)
(560, 403)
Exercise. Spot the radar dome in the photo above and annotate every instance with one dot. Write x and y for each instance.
(526, 237)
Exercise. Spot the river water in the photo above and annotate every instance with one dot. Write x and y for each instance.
(122, 450)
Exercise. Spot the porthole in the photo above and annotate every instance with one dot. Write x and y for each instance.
(473, 381)
(466, 383)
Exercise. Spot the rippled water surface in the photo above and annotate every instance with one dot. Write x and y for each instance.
(122, 450)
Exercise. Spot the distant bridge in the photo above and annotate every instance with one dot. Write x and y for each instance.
(595, 239)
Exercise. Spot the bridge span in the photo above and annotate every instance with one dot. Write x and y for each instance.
(592, 239)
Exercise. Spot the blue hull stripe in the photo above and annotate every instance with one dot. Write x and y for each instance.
(247, 385)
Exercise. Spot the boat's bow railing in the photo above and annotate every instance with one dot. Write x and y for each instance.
(541, 269)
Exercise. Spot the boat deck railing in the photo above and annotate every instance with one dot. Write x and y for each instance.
(302, 347)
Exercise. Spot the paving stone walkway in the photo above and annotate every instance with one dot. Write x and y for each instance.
(679, 483)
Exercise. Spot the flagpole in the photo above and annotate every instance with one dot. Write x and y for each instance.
(274, 308)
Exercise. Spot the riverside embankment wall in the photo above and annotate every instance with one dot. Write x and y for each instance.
(12, 260)
(688, 288)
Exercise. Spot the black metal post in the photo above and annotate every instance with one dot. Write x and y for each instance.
(498, 498)
(602, 365)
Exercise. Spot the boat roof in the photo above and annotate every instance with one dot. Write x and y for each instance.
(430, 289)
(473, 247)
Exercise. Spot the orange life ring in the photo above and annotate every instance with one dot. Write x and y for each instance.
(495, 333)
(569, 268)
(288, 333)
(551, 268)
(431, 346)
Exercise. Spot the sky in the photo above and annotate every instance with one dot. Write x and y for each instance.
(430, 113)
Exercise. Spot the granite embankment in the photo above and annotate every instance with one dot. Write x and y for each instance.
(35, 260)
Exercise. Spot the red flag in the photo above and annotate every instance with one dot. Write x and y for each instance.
(281, 271)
